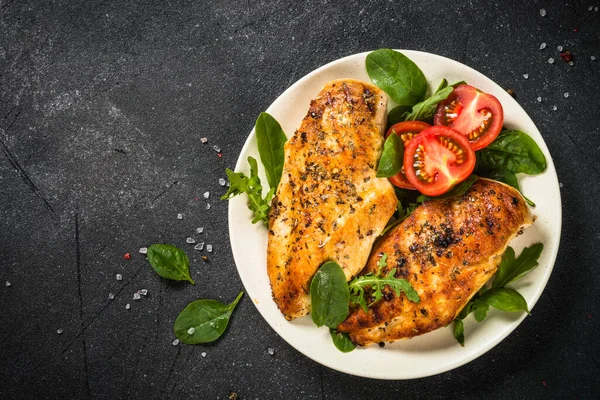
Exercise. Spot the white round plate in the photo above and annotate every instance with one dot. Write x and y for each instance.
(434, 352)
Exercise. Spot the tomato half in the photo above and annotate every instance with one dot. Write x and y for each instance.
(475, 114)
(406, 131)
(437, 159)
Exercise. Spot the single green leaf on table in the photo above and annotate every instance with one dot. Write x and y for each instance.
(457, 190)
(391, 157)
(514, 151)
(204, 321)
(169, 262)
(424, 110)
(270, 139)
(329, 296)
(459, 331)
(397, 75)
(511, 269)
(505, 299)
(397, 114)
(342, 341)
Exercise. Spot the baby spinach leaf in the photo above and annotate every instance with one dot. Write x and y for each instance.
(459, 331)
(424, 110)
(342, 341)
(516, 152)
(329, 295)
(457, 190)
(505, 299)
(397, 114)
(511, 269)
(270, 139)
(391, 157)
(443, 85)
(240, 183)
(204, 321)
(170, 262)
(397, 75)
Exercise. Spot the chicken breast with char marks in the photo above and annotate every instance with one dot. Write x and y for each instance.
(447, 249)
(329, 204)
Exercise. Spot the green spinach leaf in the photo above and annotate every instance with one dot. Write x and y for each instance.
(270, 139)
(391, 157)
(203, 321)
(480, 310)
(329, 296)
(511, 269)
(170, 262)
(397, 114)
(342, 341)
(443, 85)
(514, 151)
(459, 331)
(424, 110)
(505, 299)
(397, 75)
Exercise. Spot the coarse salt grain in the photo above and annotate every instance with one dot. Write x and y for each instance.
(208, 206)
(596, 9)
(539, 99)
(542, 46)
(590, 8)
(593, 58)
(143, 250)
(143, 292)
(216, 148)
(271, 351)
(200, 230)
(559, 48)
(190, 240)
(175, 342)
(179, 216)
(191, 330)
(203, 354)
(127, 306)
(526, 76)
(119, 277)
(570, 63)
(554, 108)
(7, 283)
(111, 296)
(203, 140)
(551, 60)
(199, 246)
(60, 330)
(206, 195)
(566, 94)
(560, 184)
(136, 296)
(543, 12)
(222, 182)
(209, 248)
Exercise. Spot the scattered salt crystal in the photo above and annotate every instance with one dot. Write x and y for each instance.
(191, 330)
(143, 292)
(111, 295)
(542, 46)
(190, 240)
(560, 184)
(203, 140)
(216, 148)
(136, 296)
(200, 230)
(203, 354)
(209, 248)
(570, 63)
(127, 306)
(551, 60)
(222, 182)
(590, 8)
(539, 99)
(199, 246)
(208, 206)
(554, 108)
(566, 94)
(596, 9)
(559, 48)
(119, 277)
(526, 76)
(7, 283)
(206, 195)
(179, 216)
(271, 351)
(143, 250)
(543, 12)
(60, 330)
(175, 342)
(593, 58)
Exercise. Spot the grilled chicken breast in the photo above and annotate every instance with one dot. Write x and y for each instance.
(329, 204)
(447, 249)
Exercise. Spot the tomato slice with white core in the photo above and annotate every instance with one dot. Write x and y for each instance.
(437, 159)
(475, 114)
(405, 130)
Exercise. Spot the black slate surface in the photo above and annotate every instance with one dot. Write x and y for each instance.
(102, 107)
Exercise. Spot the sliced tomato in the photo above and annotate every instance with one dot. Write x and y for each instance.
(475, 114)
(406, 131)
(437, 159)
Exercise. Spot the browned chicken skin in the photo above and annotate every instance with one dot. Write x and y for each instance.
(329, 204)
(447, 249)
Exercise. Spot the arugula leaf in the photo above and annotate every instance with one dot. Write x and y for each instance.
(459, 331)
(511, 269)
(342, 341)
(480, 309)
(329, 295)
(514, 151)
(170, 262)
(425, 110)
(391, 157)
(397, 114)
(457, 190)
(270, 139)
(397, 75)
(240, 183)
(505, 299)
(203, 321)
(377, 282)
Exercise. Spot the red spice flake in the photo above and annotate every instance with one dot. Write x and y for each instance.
(219, 155)
(590, 316)
(544, 383)
(576, 30)
(566, 56)
(127, 256)
(197, 199)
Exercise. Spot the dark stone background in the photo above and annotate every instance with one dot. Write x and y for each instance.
(102, 107)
